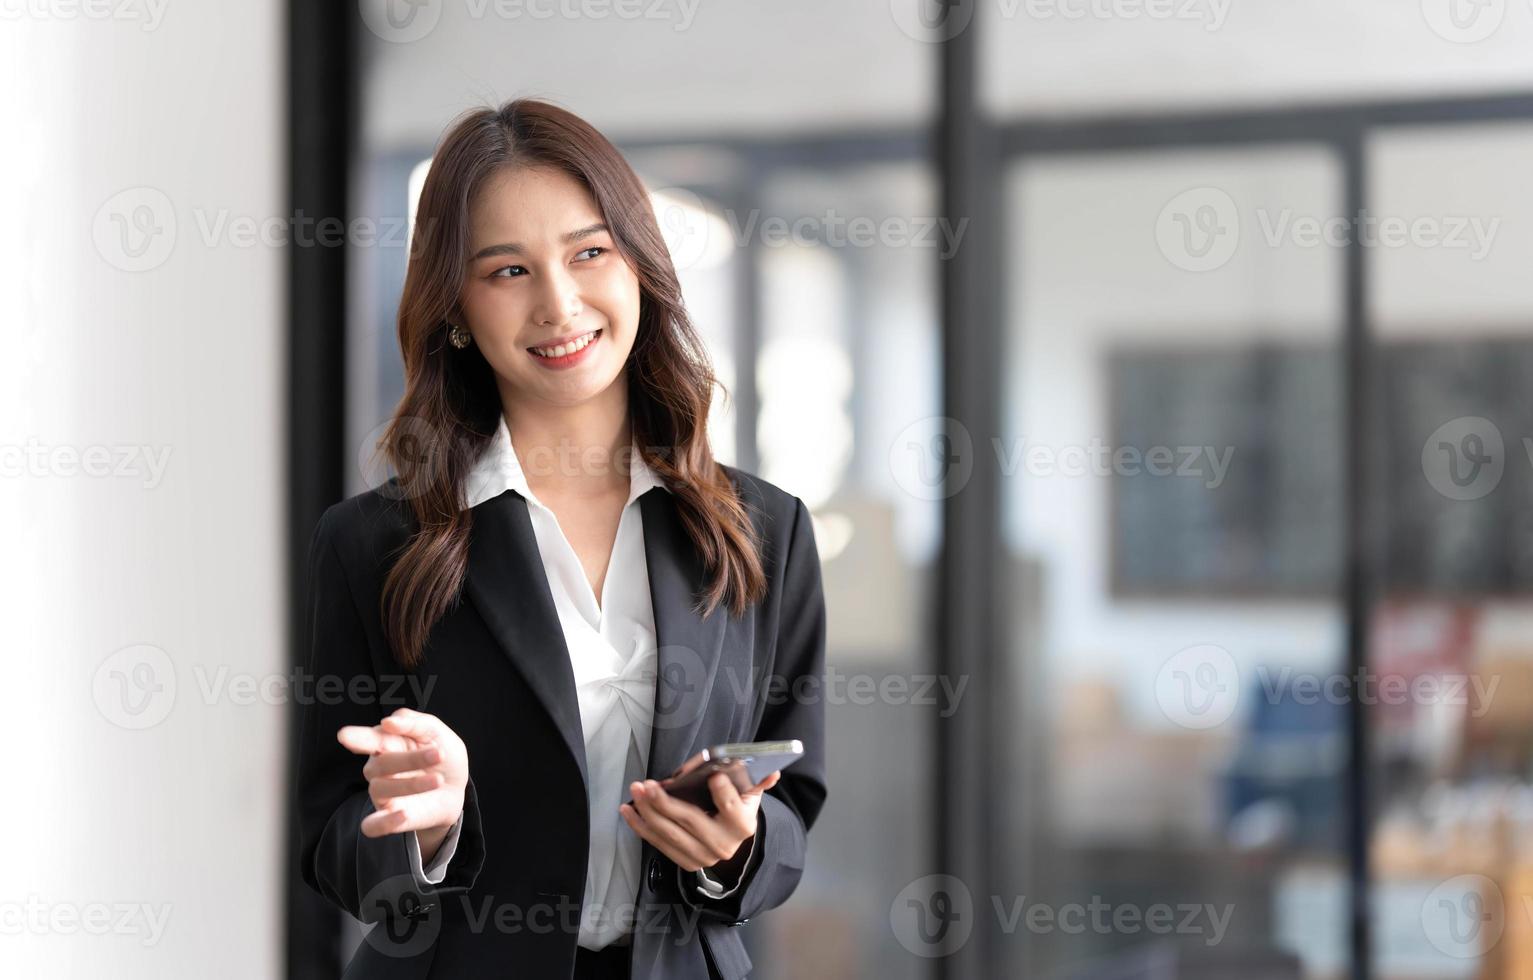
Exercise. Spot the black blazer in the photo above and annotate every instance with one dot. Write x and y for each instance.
(497, 671)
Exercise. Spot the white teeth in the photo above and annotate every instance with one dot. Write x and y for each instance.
(563, 349)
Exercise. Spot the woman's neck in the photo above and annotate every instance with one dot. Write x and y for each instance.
(578, 450)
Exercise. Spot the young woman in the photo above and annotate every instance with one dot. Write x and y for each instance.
(559, 601)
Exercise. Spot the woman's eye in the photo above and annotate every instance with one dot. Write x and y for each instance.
(501, 272)
(598, 249)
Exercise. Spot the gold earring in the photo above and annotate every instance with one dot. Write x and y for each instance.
(459, 337)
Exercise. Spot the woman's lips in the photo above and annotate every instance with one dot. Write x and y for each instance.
(571, 357)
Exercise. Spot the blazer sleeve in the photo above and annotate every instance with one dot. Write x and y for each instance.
(370, 877)
(789, 809)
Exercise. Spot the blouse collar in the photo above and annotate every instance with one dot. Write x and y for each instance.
(498, 469)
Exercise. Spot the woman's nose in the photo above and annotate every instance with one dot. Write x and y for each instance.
(559, 302)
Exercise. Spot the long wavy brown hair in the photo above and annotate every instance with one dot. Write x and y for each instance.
(451, 407)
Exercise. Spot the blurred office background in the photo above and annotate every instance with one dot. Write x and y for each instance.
(1156, 372)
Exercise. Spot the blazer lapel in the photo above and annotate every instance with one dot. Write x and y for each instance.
(689, 645)
(507, 584)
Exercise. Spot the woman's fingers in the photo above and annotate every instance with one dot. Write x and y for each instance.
(381, 823)
(681, 843)
(736, 810)
(365, 740)
(357, 738)
(384, 789)
(725, 797)
(710, 838)
(765, 784)
(415, 724)
(416, 771)
(394, 763)
(673, 842)
(411, 811)
(404, 729)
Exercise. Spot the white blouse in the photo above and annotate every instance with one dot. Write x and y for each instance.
(613, 653)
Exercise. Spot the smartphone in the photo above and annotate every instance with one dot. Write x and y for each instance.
(746, 763)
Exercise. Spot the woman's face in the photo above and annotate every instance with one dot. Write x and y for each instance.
(544, 272)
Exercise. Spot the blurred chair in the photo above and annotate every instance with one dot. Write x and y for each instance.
(1290, 759)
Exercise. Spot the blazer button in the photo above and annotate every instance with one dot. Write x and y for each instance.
(654, 875)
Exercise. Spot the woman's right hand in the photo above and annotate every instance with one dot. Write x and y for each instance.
(417, 774)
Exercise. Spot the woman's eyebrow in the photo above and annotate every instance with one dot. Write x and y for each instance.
(514, 248)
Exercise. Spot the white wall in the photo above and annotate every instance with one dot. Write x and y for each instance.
(182, 818)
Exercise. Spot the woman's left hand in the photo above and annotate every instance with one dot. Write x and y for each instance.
(688, 835)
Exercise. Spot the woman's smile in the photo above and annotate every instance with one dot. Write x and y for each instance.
(565, 353)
